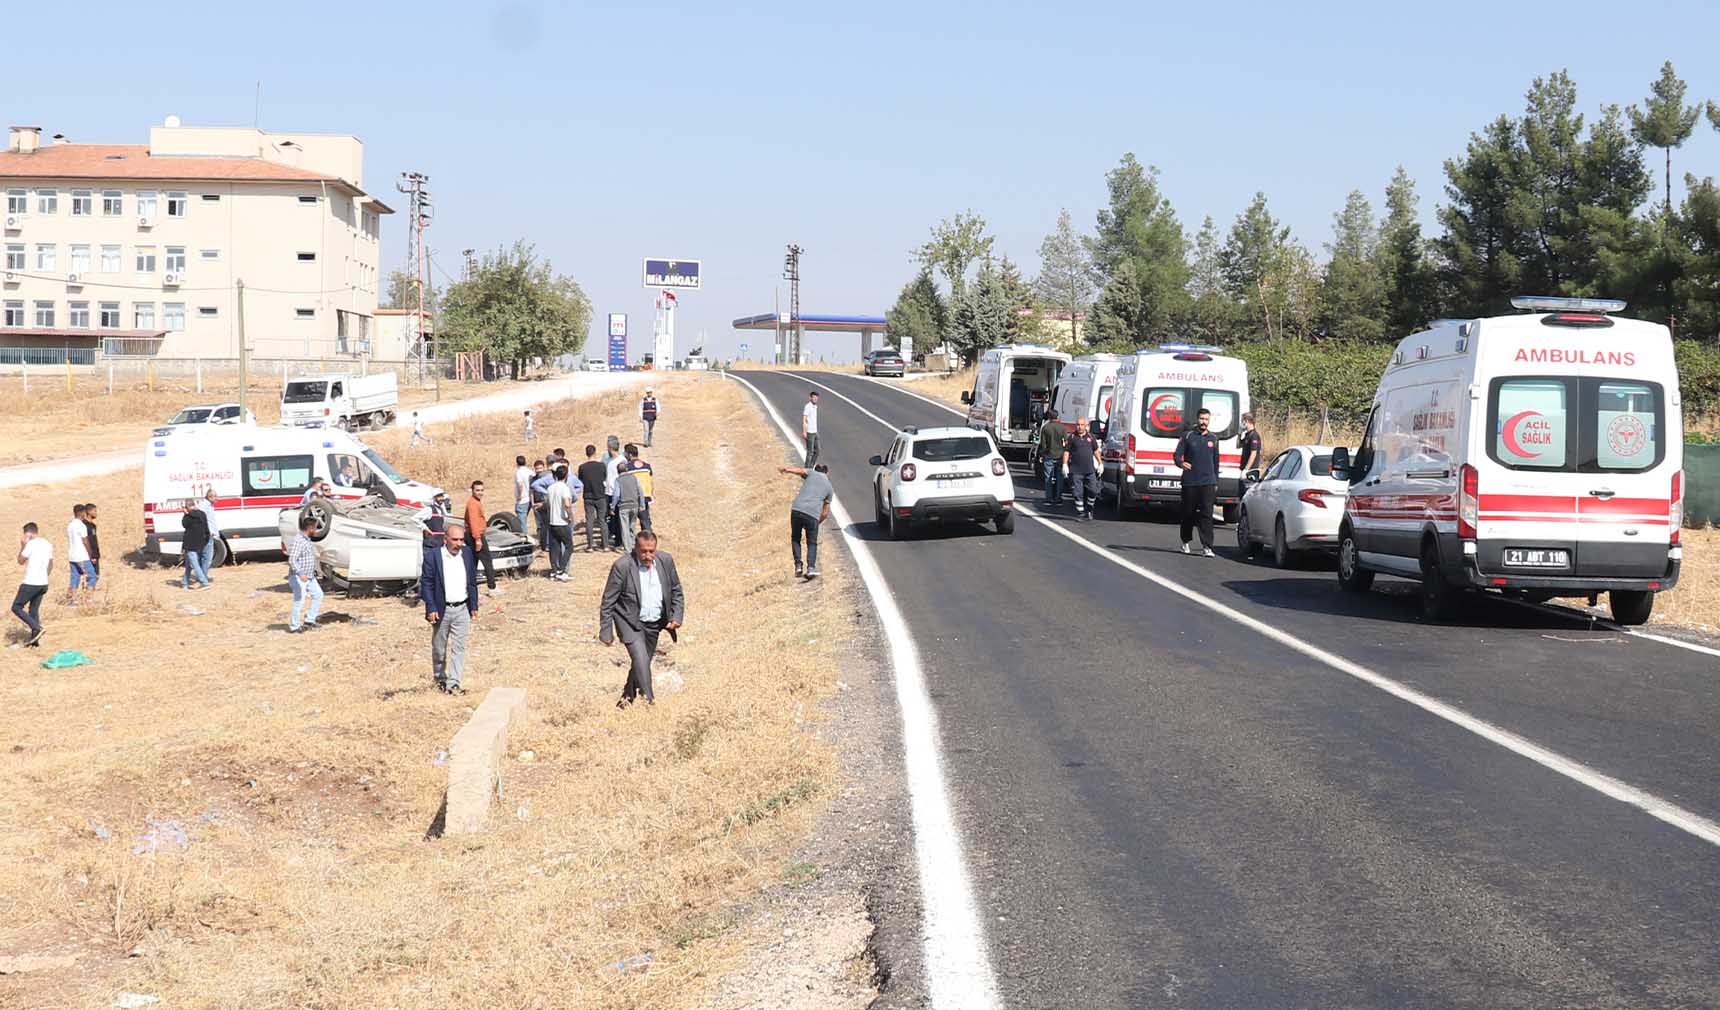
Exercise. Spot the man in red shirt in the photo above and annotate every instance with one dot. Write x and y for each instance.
(475, 529)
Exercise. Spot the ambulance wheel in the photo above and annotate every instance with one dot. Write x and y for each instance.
(220, 555)
(1120, 504)
(1230, 513)
(1244, 542)
(1630, 606)
(1438, 598)
(1006, 523)
(509, 521)
(1351, 575)
(319, 511)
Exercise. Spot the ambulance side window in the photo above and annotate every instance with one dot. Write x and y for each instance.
(277, 475)
(1364, 464)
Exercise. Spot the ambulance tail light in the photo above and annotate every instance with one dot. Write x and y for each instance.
(149, 517)
(1675, 507)
(1468, 502)
(908, 472)
(1129, 460)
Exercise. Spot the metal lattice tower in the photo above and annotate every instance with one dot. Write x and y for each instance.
(791, 273)
(416, 185)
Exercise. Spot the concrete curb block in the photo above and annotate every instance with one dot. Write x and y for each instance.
(475, 759)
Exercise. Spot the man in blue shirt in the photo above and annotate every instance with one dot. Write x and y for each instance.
(542, 478)
(1197, 455)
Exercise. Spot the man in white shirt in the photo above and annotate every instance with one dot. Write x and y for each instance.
(558, 512)
(528, 430)
(78, 555)
(809, 429)
(36, 554)
(522, 492)
(418, 432)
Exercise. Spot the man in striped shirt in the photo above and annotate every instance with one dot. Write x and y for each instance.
(302, 578)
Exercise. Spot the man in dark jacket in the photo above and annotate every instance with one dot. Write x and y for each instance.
(195, 524)
(1081, 466)
(1197, 455)
(641, 600)
(448, 585)
(1052, 435)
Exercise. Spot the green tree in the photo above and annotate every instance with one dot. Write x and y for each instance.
(1024, 318)
(1249, 262)
(1696, 286)
(1352, 294)
(1479, 249)
(1406, 274)
(1140, 228)
(981, 316)
(401, 292)
(954, 246)
(919, 314)
(1065, 278)
(1664, 121)
(1211, 315)
(1120, 320)
(515, 308)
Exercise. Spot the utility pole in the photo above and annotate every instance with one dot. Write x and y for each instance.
(416, 185)
(471, 267)
(791, 273)
(244, 352)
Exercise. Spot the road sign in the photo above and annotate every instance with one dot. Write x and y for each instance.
(618, 340)
(743, 350)
(661, 273)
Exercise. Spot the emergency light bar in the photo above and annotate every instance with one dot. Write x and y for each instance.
(1188, 347)
(1548, 303)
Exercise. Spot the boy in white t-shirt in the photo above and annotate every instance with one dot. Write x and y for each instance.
(36, 554)
(78, 555)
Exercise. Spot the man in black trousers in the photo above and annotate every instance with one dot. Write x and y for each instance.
(641, 600)
(1197, 455)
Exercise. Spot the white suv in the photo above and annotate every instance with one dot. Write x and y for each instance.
(941, 474)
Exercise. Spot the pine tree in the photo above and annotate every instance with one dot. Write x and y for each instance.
(981, 315)
(953, 247)
(1352, 294)
(1664, 121)
(1211, 315)
(1024, 319)
(1482, 236)
(1248, 262)
(919, 314)
(1140, 228)
(1065, 278)
(1406, 275)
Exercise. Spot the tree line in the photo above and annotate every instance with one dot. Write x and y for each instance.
(1547, 201)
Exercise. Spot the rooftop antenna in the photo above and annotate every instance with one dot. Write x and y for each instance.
(257, 108)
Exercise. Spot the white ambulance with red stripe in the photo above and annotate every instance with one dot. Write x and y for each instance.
(255, 473)
(1538, 454)
(1157, 396)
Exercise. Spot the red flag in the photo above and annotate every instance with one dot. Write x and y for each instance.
(670, 295)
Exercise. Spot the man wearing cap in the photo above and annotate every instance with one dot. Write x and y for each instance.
(648, 411)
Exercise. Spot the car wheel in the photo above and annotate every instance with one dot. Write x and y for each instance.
(1244, 542)
(321, 512)
(898, 526)
(219, 556)
(1438, 597)
(1006, 523)
(1351, 575)
(878, 516)
(509, 521)
(1282, 556)
(1630, 606)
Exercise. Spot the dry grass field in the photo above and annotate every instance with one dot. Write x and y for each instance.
(223, 815)
(46, 422)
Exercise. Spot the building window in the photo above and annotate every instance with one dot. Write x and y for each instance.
(307, 257)
(14, 314)
(211, 197)
(143, 315)
(110, 259)
(304, 313)
(207, 312)
(146, 203)
(45, 315)
(210, 254)
(173, 316)
(47, 258)
(17, 201)
(47, 201)
(81, 202)
(176, 204)
(175, 259)
(15, 257)
(80, 263)
(307, 199)
(113, 203)
(146, 259)
(78, 315)
(109, 315)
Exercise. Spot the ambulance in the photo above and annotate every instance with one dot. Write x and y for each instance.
(1537, 454)
(255, 473)
(1158, 394)
(1011, 392)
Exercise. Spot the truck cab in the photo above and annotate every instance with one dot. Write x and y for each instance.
(340, 400)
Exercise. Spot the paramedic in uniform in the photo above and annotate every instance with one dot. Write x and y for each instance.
(1197, 455)
(648, 410)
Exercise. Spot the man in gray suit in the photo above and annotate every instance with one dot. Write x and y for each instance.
(641, 600)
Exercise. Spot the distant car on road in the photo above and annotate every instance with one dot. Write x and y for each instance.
(1296, 506)
(596, 365)
(207, 413)
(886, 361)
(939, 475)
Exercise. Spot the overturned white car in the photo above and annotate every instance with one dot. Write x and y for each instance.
(378, 546)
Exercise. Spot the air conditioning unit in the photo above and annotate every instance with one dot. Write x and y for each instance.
(146, 222)
(12, 222)
(171, 280)
(73, 278)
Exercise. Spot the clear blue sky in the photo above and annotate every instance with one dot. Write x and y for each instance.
(608, 132)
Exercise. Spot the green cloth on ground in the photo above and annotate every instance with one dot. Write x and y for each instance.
(64, 658)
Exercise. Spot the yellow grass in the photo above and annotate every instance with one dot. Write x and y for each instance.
(303, 768)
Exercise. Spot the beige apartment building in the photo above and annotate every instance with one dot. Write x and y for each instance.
(138, 249)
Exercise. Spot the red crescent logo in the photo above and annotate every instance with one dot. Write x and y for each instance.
(1510, 434)
(1166, 418)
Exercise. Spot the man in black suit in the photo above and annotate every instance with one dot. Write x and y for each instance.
(641, 600)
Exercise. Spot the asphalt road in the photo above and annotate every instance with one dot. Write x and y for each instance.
(1164, 808)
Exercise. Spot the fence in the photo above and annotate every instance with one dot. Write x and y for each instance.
(47, 355)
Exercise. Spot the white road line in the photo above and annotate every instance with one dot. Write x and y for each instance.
(1664, 810)
(958, 970)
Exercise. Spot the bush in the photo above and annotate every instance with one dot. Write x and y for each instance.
(1292, 375)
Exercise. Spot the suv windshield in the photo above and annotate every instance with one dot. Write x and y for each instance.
(304, 392)
(382, 466)
(192, 415)
(946, 450)
(1168, 411)
(1567, 424)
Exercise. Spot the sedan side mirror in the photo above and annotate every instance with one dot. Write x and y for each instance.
(1341, 463)
(1251, 477)
(967, 396)
(875, 461)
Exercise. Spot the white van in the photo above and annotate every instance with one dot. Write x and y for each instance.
(1158, 394)
(1537, 454)
(340, 400)
(256, 472)
(1011, 393)
(1085, 390)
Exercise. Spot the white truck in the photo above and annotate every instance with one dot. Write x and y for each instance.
(340, 400)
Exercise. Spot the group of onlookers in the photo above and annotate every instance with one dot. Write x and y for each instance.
(36, 555)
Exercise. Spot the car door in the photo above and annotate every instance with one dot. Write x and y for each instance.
(1261, 500)
(1285, 489)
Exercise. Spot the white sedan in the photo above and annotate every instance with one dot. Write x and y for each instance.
(942, 475)
(1296, 506)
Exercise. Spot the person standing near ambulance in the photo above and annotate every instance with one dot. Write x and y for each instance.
(1197, 455)
(1252, 454)
(1081, 469)
(649, 409)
